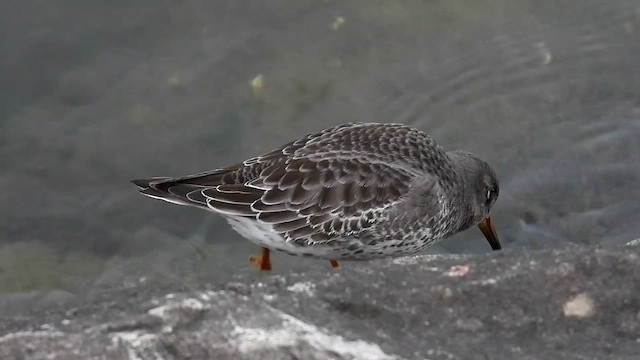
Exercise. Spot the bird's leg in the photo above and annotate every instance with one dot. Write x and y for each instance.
(334, 263)
(263, 262)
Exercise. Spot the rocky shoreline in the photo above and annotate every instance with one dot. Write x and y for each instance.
(574, 303)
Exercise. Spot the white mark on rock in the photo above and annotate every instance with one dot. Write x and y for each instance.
(507, 274)
(490, 281)
(305, 287)
(30, 334)
(47, 327)
(139, 345)
(579, 306)
(425, 258)
(189, 304)
(635, 242)
(458, 271)
(294, 332)
(430, 268)
(177, 310)
(406, 260)
(143, 345)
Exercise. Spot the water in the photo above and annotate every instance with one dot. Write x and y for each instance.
(96, 94)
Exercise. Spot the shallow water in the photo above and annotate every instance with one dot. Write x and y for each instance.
(94, 95)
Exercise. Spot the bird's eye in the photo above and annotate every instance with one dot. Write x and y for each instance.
(491, 193)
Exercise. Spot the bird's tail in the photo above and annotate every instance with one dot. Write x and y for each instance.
(167, 189)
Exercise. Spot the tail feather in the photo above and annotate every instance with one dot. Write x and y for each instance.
(156, 194)
(187, 190)
(145, 183)
(158, 188)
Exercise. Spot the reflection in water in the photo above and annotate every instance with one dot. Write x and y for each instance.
(545, 91)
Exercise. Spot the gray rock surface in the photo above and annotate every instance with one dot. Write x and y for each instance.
(575, 303)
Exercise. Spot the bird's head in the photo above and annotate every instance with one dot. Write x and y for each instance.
(481, 191)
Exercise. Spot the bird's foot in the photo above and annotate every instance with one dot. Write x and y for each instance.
(263, 262)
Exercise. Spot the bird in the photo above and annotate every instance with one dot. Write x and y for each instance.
(356, 191)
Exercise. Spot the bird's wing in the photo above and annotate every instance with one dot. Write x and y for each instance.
(323, 187)
(314, 201)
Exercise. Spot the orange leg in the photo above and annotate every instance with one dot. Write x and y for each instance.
(263, 262)
(334, 263)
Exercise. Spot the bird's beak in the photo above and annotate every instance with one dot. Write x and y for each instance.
(486, 226)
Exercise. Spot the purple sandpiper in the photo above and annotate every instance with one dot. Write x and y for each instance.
(357, 191)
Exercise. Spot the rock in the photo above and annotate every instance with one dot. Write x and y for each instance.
(635, 242)
(576, 303)
(23, 302)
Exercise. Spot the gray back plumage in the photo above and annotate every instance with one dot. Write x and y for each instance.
(335, 184)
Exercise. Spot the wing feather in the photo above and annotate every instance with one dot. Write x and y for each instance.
(318, 189)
